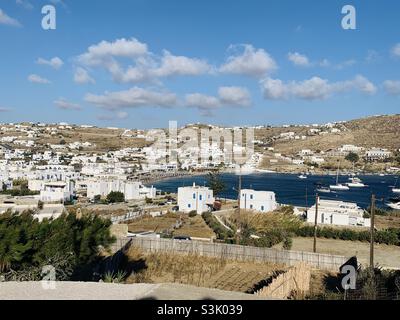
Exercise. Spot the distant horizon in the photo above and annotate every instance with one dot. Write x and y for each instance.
(180, 125)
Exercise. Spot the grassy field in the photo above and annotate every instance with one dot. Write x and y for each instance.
(199, 271)
(385, 256)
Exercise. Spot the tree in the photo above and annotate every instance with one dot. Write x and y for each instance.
(115, 197)
(67, 243)
(352, 157)
(215, 183)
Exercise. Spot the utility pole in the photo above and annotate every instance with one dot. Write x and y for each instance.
(239, 210)
(306, 197)
(372, 240)
(316, 222)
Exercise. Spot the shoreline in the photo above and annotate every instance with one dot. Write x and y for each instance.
(155, 178)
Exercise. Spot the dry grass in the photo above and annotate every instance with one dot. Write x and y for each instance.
(156, 224)
(194, 227)
(261, 222)
(385, 222)
(173, 268)
(199, 271)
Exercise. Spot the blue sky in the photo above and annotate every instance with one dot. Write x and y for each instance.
(141, 63)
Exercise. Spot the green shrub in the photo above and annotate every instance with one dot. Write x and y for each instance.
(192, 214)
(115, 197)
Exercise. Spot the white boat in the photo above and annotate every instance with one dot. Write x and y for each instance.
(395, 206)
(356, 183)
(395, 188)
(323, 190)
(302, 176)
(338, 186)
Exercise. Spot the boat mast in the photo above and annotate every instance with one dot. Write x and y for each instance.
(337, 175)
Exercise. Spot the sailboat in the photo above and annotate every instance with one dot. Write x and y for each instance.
(394, 203)
(338, 186)
(395, 188)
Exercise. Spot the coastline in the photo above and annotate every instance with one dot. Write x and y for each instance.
(154, 178)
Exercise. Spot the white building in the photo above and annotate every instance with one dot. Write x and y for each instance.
(339, 213)
(49, 211)
(57, 191)
(377, 154)
(262, 201)
(195, 198)
(132, 190)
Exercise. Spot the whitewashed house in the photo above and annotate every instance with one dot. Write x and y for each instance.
(195, 198)
(339, 213)
(262, 201)
(57, 191)
(132, 190)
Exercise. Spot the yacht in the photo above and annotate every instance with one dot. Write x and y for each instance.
(339, 187)
(356, 183)
(323, 190)
(394, 205)
(302, 176)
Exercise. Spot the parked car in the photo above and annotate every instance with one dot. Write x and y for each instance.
(183, 238)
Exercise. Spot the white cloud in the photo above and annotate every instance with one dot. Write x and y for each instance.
(345, 64)
(131, 48)
(362, 84)
(2, 109)
(145, 66)
(8, 21)
(396, 50)
(274, 89)
(234, 96)
(149, 69)
(34, 78)
(62, 103)
(202, 101)
(132, 98)
(25, 4)
(227, 96)
(372, 56)
(392, 87)
(314, 88)
(298, 59)
(55, 63)
(250, 62)
(181, 65)
(81, 76)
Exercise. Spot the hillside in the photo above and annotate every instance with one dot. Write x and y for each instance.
(379, 131)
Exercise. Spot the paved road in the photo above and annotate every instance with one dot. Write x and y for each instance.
(105, 291)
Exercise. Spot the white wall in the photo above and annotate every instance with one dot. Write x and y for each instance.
(262, 201)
